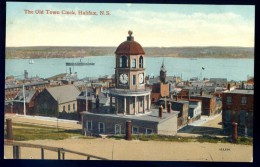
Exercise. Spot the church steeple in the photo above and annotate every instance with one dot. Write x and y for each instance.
(163, 73)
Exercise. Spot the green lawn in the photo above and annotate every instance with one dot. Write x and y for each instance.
(205, 138)
(22, 132)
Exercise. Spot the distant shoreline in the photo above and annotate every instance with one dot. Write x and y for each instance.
(175, 52)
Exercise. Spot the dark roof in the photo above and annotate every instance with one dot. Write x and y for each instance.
(163, 68)
(28, 96)
(129, 47)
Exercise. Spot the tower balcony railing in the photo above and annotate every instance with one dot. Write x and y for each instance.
(129, 92)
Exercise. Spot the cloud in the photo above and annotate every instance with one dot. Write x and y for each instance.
(150, 29)
(191, 29)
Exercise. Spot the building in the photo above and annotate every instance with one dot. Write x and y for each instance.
(159, 86)
(18, 102)
(132, 100)
(54, 100)
(12, 90)
(210, 104)
(238, 106)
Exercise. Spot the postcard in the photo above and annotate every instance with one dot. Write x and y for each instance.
(129, 81)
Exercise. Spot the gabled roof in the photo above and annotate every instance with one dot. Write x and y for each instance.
(64, 93)
(28, 96)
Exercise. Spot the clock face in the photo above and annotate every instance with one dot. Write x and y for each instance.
(141, 78)
(123, 78)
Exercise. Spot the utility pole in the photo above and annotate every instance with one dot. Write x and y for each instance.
(24, 107)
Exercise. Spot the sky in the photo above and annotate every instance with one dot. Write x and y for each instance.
(153, 25)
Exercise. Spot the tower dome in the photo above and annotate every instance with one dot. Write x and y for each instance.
(129, 47)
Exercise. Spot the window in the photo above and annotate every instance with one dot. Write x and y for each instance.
(244, 100)
(101, 127)
(69, 107)
(228, 116)
(123, 62)
(63, 108)
(133, 63)
(242, 117)
(229, 100)
(134, 79)
(117, 129)
(73, 106)
(135, 130)
(148, 131)
(141, 102)
(133, 100)
(89, 125)
(141, 62)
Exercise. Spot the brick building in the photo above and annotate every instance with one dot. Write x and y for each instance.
(238, 106)
(11, 91)
(210, 104)
(18, 102)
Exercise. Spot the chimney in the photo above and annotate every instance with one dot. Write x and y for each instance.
(89, 105)
(160, 111)
(228, 86)
(169, 106)
(128, 130)
(201, 92)
(97, 102)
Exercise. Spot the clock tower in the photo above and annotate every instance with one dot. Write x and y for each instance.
(130, 94)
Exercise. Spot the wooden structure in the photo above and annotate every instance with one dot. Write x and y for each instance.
(60, 151)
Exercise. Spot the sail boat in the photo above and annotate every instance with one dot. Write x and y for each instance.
(31, 61)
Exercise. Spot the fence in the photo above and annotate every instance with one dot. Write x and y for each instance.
(60, 151)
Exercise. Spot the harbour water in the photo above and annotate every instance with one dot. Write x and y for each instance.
(232, 69)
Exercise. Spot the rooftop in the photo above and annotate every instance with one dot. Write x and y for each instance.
(241, 91)
(150, 116)
(64, 94)
(129, 47)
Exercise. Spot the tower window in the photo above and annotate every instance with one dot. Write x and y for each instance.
(123, 62)
(134, 79)
(141, 62)
(133, 63)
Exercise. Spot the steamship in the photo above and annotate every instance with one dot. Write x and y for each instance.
(80, 63)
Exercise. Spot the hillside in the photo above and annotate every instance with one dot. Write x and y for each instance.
(181, 52)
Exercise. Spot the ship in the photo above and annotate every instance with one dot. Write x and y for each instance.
(80, 63)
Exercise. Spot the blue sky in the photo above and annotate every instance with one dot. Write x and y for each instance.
(152, 25)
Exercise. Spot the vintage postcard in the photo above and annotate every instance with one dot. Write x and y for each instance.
(126, 81)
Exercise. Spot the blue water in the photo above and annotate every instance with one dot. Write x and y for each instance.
(232, 69)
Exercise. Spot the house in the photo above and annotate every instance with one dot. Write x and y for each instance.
(211, 105)
(194, 110)
(54, 100)
(18, 102)
(11, 90)
(238, 106)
